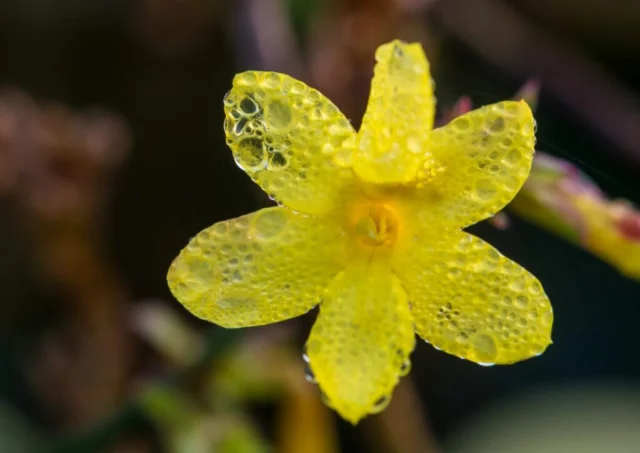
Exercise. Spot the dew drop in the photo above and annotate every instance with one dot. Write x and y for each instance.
(249, 106)
(497, 125)
(269, 223)
(513, 156)
(272, 80)
(380, 404)
(277, 162)
(486, 189)
(250, 154)
(298, 87)
(308, 374)
(485, 348)
(239, 127)
(522, 301)
(486, 364)
(398, 52)
(328, 149)
(413, 144)
(278, 115)
(229, 99)
(461, 124)
(245, 78)
(405, 368)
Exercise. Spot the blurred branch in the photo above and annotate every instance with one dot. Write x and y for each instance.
(403, 427)
(563, 200)
(587, 89)
(110, 429)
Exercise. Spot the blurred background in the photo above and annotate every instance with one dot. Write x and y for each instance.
(112, 155)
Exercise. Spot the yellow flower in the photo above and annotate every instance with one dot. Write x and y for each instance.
(370, 229)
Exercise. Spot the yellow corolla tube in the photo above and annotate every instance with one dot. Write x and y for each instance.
(369, 227)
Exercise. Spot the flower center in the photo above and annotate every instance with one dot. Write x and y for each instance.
(376, 224)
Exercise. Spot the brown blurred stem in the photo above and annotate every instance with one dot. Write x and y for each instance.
(501, 35)
(403, 427)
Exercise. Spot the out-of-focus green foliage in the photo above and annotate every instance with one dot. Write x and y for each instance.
(16, 434)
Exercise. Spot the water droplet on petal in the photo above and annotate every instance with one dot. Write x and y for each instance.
(405, 368)
(308, 374)
(250, 154)
(248, 106)
(278, 115)
(414, 144)
(277, 162)
(485, 348)
(486, 189)
(229, 99)
(380, 404)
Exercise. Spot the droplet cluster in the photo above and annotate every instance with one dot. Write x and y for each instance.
(289, 138)
(399, 114)
(257, 269)
(360, 344)
(469, 300)
(482, 158)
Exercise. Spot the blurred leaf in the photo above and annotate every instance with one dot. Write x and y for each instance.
(167, 406)
(226, 433)
(254, 370)
(168, 332)
(242, 438)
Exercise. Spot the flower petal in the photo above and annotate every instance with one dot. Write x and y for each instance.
(476, 164)
(361, 341)
(257, 269)
(470, 301)
(290, 139)
(399, 115)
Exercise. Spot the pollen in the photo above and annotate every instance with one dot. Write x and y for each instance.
(375, 224)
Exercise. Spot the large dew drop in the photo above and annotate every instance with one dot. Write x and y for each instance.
(485, 348)
(278, 115)
(250, 155)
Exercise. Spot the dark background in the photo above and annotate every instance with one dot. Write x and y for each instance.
(163, 67)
